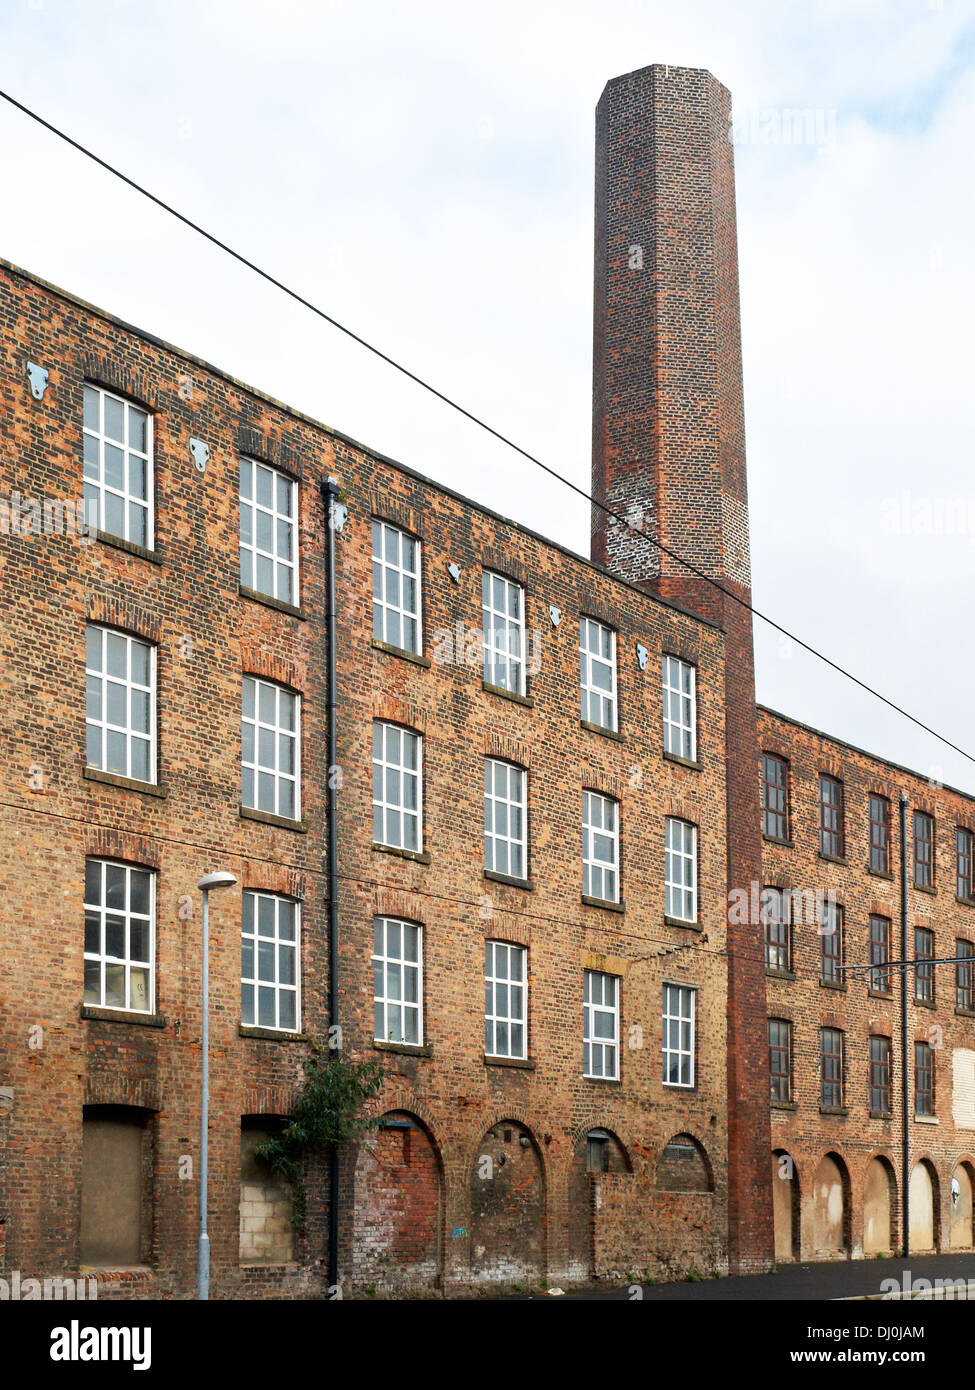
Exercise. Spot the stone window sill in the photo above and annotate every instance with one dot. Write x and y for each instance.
(880, 873)
(246, 1030)
(521, 1063)
(95, 1012)
(601, 729)
(265, 818)
(415, 855)
(680, 922)
(415, 657)
(404, 1049)
(270, 602)
(964, 1013)
(603, 1080)
(153, 556)
(923, 888)
(834, 858)
(129, 784)
(925, 1119)
(603, 903)
(779, 974)
(783, 1104)
(693, 763)
(925, 1003)
(881, 1114)
(508, 694)
(839, 1110)
(965, 902)
(525, 883)
(777, 840)
(832, 984)
(881, 994)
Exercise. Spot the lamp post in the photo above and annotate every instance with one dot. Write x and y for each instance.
(220, 879)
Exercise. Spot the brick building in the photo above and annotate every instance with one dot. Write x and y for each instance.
(546, 797)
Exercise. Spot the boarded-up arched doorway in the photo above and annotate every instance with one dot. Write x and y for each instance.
(829, 1208)
(785, 1206)
(397, 1206)
(598, 1151)
(507, 1232)
(923, 1207)
(878, 1208)
(961, 1233)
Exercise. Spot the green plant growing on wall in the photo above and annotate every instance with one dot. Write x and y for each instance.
(328, 1112)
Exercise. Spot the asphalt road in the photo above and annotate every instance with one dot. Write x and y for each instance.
(817, 1282)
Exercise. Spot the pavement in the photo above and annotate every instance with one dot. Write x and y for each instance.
(799, 1282)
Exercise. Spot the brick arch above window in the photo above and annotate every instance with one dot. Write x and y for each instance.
(266, 449)
(396, 512)
(268, 1100)
(127, 617)
(269, 666)
(273, 878)
(114, 1087)
(508, 750)
(121, 845)
(393, 711)
(136, 383)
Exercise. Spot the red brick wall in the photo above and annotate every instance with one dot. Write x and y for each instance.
(803, 1132)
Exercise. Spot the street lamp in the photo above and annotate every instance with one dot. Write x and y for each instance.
(220, 879)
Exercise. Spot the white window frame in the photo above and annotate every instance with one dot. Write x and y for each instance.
(679, 707)
(396, 573)
(503, 633)
(683, 1019)
(248, 510)
(599, 706)
(251, 1018)
(96, 487)
(501, 845)
(254, 765)
(505, 998)
(387, 770)
(127, 961)
(595, 1005)
(131, 689)
(386, 965)
(680, 870)
(596, 870)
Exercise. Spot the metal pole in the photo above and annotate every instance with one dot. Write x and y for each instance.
(203, 1255)
(331, 489)
(905, 1075)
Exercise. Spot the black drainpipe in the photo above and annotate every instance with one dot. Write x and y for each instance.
(906, 1136)
(330, 490)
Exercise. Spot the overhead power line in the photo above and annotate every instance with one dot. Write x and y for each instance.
(477, 420)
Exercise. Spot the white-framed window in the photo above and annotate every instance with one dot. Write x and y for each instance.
(118, 466)
(268, 531)
(505, 818)
(597, 673)
(680, 873)
(397, 787)
(120, 943)
(601, 1026)
(120, 703)
(680, 708)
(397, 973)
(396, 588)
(271, 748)
(505, 1000)
(600, 847)
(678, 1035)
(270, 962)
(503, 621)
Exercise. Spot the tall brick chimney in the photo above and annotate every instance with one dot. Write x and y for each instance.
(669, 455)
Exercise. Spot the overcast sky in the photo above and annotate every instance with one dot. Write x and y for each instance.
(424, 172)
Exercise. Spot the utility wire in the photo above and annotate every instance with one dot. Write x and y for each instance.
(476, 420)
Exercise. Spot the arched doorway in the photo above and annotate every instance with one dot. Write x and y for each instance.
(507, 1231)
(785, 1206)
(923, 1203)
(830, 1208)
(398, 1199)
(960, 1206)
(878, 1208)
(597, 1152)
